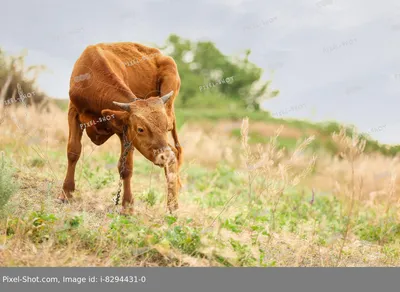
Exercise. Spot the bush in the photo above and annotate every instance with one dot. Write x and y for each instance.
(8, 186)
(13, 74)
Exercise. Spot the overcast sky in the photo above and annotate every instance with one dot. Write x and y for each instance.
(333, 59)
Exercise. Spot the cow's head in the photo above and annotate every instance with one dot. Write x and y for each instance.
(146, 124)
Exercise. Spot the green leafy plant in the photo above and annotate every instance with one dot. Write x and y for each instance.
(41, 226)
(150, 197)
(185, 238)
(243, 252)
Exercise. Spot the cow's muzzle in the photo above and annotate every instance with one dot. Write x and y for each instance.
(164, 156)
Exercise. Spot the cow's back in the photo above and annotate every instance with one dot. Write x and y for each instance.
(112, 72)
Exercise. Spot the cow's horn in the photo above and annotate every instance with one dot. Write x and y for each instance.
(167, 96)
(124, 106)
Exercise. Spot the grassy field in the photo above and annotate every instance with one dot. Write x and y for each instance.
(242, 204)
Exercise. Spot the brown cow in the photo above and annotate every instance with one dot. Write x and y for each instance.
(115, 89)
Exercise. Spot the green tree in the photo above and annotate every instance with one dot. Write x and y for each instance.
(201, 63)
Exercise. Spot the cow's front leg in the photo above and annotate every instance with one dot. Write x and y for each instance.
(170, 83)
(125, 168)
(173, 183)
(74, 149)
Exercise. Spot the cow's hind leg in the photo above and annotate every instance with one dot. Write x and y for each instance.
(73, 153)
(125, 168)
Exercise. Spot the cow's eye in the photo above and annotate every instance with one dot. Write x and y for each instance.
(140, 130)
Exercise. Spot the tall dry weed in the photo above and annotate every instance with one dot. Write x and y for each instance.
(351, 149)
(269, 176)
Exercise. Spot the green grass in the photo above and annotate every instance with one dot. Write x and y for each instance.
(129, 240)
(220, 222)
(8, 185)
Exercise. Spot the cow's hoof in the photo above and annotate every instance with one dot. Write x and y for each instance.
(173, 209)
(62, 201)
(126, 211)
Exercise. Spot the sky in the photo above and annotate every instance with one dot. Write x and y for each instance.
(330, 59)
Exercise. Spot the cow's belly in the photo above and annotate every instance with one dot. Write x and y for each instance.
(96, 138)
(98, 129)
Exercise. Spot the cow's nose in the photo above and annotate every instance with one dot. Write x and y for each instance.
(163, 158)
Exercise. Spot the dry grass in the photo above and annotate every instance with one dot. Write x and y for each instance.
(241, 205)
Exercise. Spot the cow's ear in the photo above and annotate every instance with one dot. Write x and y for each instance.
(117, 119)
